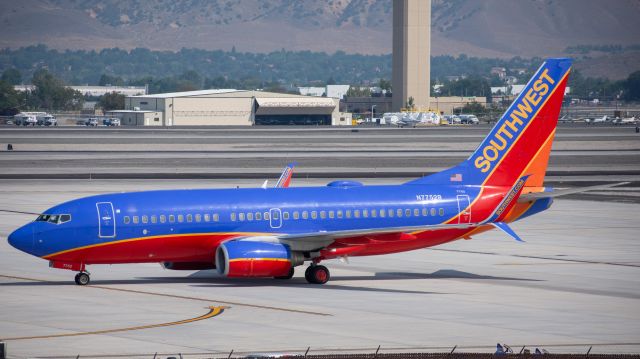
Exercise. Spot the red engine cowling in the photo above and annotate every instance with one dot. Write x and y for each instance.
(253, 259)
(188, 265)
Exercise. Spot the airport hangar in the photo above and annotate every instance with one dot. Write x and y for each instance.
(230, 107)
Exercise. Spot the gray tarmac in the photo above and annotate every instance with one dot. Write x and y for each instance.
(77, 152)
(575, 283)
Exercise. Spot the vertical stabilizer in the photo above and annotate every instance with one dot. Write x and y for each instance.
(520, 142)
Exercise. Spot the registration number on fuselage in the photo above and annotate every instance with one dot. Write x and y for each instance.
(429, 197)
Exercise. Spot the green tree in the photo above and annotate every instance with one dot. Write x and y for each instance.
(385, 84)
(51, 94)
(9, 99)
(473, 108)
(410, 103)
(631, 87)
(12, 76)
(106, 80)
(112, 101)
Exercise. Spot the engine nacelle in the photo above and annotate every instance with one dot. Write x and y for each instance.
(255, 259)
(188, 265)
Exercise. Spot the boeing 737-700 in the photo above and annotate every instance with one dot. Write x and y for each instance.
(267, 232)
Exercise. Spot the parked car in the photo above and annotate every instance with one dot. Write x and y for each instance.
(22, 119)
(92, 122)
(469, 119)
(111, 122)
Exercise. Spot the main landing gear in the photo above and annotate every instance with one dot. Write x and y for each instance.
(82, 278)
(316, 274)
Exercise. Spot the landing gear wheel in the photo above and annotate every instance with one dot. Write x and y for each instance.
(82, 278)
(288, 275)
(317, 274)
(307, 273)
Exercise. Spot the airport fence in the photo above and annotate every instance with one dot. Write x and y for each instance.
(454, 356)
(467, 356)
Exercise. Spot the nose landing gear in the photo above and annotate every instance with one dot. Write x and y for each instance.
(316, 274)
(82, 278)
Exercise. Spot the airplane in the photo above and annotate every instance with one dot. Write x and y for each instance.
(602, 119)
(267, 232)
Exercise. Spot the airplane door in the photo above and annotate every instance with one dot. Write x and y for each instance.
(464, 209)
(106, 220)
(275, 218)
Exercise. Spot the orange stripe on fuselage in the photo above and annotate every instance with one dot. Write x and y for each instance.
(188, 246)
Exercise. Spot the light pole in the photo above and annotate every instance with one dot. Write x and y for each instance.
(372, 106)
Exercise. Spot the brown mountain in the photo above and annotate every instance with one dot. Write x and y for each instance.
(487, 28)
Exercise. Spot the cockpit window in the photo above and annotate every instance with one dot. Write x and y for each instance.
(54, 218)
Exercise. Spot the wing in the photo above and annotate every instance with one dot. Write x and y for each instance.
(317, 240)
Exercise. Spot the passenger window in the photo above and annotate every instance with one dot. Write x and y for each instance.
(331, 214)
(258, 216)
(180, 218)
(207, 217)
(285, 215)
(314, 214)
(65, 218)
(433, 211)
(249, 216)
(356, 213)
(266, 216)
(127, 219)
(145, 219)
(241, 216)
(163, 218)
(172, 218)
(189, 218)
(441, 211)
(296, 215)
(399, 212)
(407, 213)
(216, 217)
(305, 215)
(347, 213)
(390, 213)
(339, 213)
(382, 213)
(416, 212)
(323, 214)
(136, 220)
(198, 217)
(374, 213)
(233, 216)
(425, 212)
(365, 213)
(154, 219)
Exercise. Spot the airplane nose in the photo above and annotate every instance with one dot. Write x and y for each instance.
(22, 238)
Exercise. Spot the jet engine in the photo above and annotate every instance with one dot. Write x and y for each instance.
(255, 259)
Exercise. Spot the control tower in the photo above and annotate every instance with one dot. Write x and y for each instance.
(411, 53)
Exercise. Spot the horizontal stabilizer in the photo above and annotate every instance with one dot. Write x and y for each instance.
(538, 195)
(506, 229)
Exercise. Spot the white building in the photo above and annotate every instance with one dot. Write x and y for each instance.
(238, 108)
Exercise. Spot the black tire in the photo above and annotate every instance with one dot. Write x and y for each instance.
(307, 274)
(289, 275)
(319, 275)
(82, 278)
